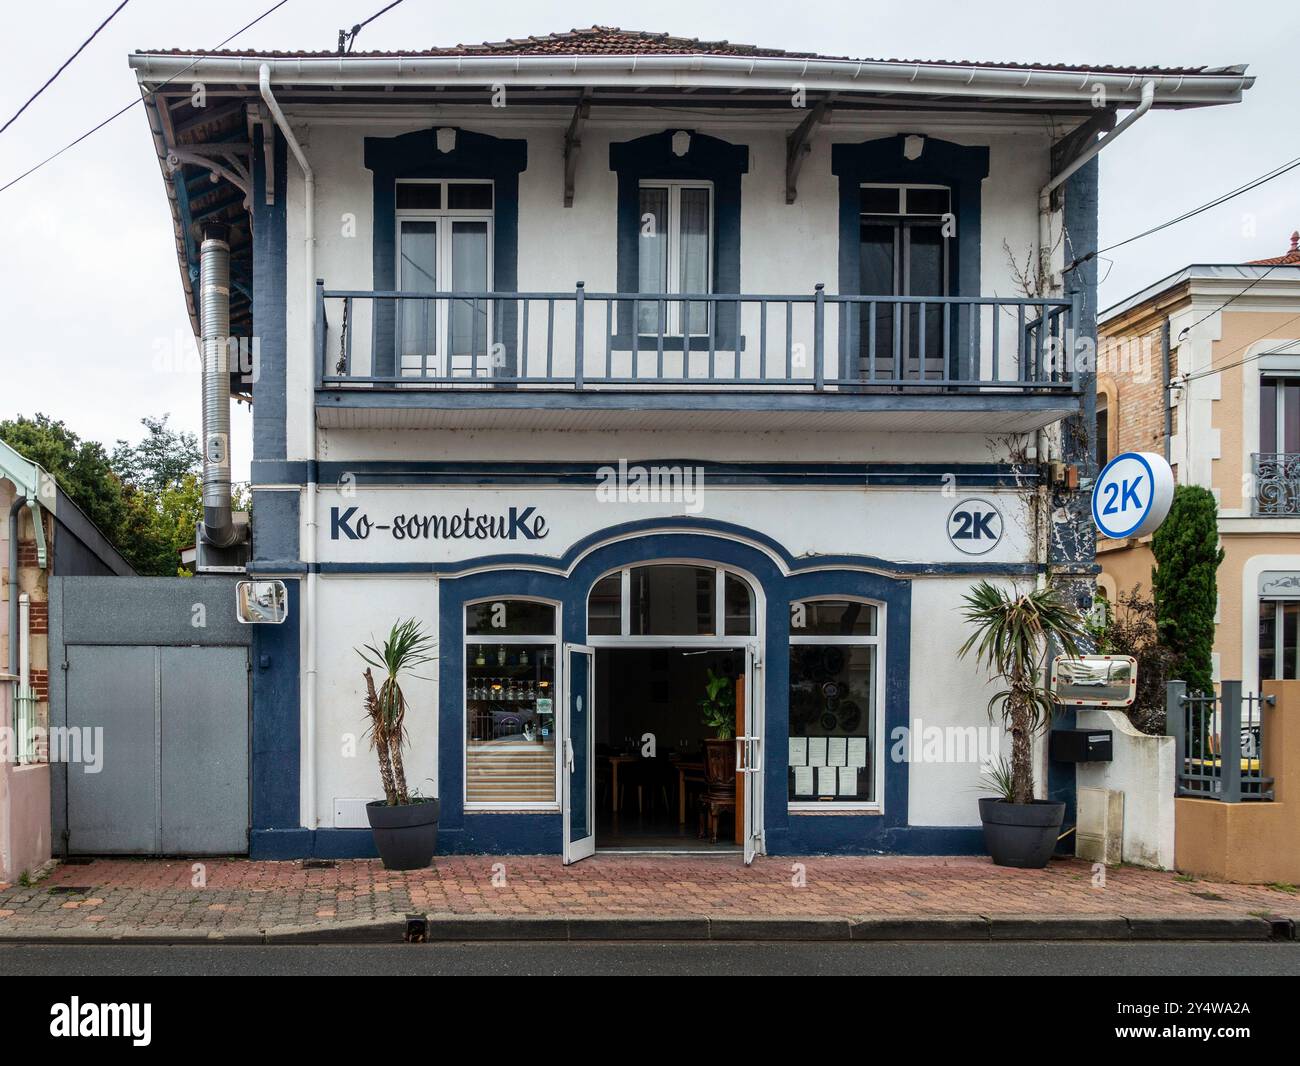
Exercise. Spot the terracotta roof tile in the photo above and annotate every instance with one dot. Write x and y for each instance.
(1291, 258)
(611, 40)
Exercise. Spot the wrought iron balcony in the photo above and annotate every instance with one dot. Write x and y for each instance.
(1276, 477)
(779, 353)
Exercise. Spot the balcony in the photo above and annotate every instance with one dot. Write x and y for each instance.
(1276, 477)
(579, 360)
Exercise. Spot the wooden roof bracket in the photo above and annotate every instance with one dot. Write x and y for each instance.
(798, 144)
(573, 142)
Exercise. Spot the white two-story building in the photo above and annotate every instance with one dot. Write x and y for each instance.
(615, 359)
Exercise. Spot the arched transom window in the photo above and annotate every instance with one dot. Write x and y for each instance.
(671, 600)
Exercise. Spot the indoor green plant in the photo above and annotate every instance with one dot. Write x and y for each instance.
(1013, 634)
(405, 827)
(718, 711)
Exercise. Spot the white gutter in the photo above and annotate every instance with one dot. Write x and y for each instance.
(1045, 193)
(758, 72)
(307, 797)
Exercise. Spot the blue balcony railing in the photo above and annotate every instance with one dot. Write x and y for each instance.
(579, 340)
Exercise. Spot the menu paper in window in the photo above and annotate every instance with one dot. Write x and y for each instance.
(803, 780)
(835, 751)
(798, 751)
(857, 752)
(816, 751)
(848, 781)
(825, 780)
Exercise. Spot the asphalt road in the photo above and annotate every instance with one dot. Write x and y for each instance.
(1029, 958)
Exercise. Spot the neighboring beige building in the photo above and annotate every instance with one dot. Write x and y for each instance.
(1204, 368)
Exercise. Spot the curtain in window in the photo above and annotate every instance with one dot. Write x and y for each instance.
(419, 274)
(469, 267)
(693, 260)
(652, 248)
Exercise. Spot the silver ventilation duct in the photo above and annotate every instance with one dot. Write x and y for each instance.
(218, 527)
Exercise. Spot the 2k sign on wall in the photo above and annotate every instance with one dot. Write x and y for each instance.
(450, 524)
(1132, 495)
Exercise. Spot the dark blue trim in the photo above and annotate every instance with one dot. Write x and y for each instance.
(275, 533)
(476, 832)
(276, 718)
(708, 159)
(961, 167)
(270, 259)
(476, 155)
(1050, 406)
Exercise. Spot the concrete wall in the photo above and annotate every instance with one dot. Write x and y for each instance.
(24, 804)
(1143, 771)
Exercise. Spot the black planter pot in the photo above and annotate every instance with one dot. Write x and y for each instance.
(1021, 834)
(406, 835)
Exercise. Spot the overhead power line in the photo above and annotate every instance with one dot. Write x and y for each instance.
(347, 38)
(64, 66)
(1254, 183)
(122, 111)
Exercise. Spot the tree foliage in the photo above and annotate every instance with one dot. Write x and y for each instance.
(1131, 629)
(1185, 584)
(146, 498)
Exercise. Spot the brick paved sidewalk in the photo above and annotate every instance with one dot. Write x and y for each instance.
(109, 897)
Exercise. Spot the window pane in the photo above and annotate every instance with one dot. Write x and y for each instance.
(510, 723)
(1103, 434)
(419, 195)
(693, 247)
(469, 196)
(880, 201)
(1291, 417)
(739, 600)
(672, 600)
(832, 618)
(927, 201)
(876, 250)
(652, 254)
(510, 618)
(1267, 640)
(419, 274)
(469, 273)
(1290, 612)
(605, 607)
(832, 722)
(1268, 415)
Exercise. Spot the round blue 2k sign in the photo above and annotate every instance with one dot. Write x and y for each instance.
(1132, 494)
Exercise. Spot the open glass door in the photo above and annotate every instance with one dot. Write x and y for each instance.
(749, 757)
(578, 792)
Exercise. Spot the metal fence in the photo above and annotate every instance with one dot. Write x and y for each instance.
(578, 340)
(1220, 742)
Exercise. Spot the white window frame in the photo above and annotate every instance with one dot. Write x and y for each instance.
(712, 640)
(876, 640)
(431, 363)
(673, 326)
(556, 642)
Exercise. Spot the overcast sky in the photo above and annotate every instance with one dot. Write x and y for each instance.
(90, 295)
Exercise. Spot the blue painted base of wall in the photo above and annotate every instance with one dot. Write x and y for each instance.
(519, 835)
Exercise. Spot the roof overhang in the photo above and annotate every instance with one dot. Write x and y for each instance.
(911, 83)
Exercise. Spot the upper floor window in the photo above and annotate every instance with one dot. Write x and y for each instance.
(1279, 414)
(444, 244)
(1103, 429)
(675, 253)
(904, 240)
(671, 599)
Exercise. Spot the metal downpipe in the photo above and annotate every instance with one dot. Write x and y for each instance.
(214, 323)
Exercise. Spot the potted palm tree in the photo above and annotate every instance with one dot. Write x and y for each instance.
(718, 711)
(1013, 632)
(405, 826)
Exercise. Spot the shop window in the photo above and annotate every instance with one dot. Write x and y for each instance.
(671, 600)
(510, 726)
(835, 682)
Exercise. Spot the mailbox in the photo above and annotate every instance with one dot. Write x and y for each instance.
(1081, 745)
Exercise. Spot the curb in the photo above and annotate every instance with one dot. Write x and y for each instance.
(933, 928)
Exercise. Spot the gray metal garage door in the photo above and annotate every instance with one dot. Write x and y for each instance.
(173, 777)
